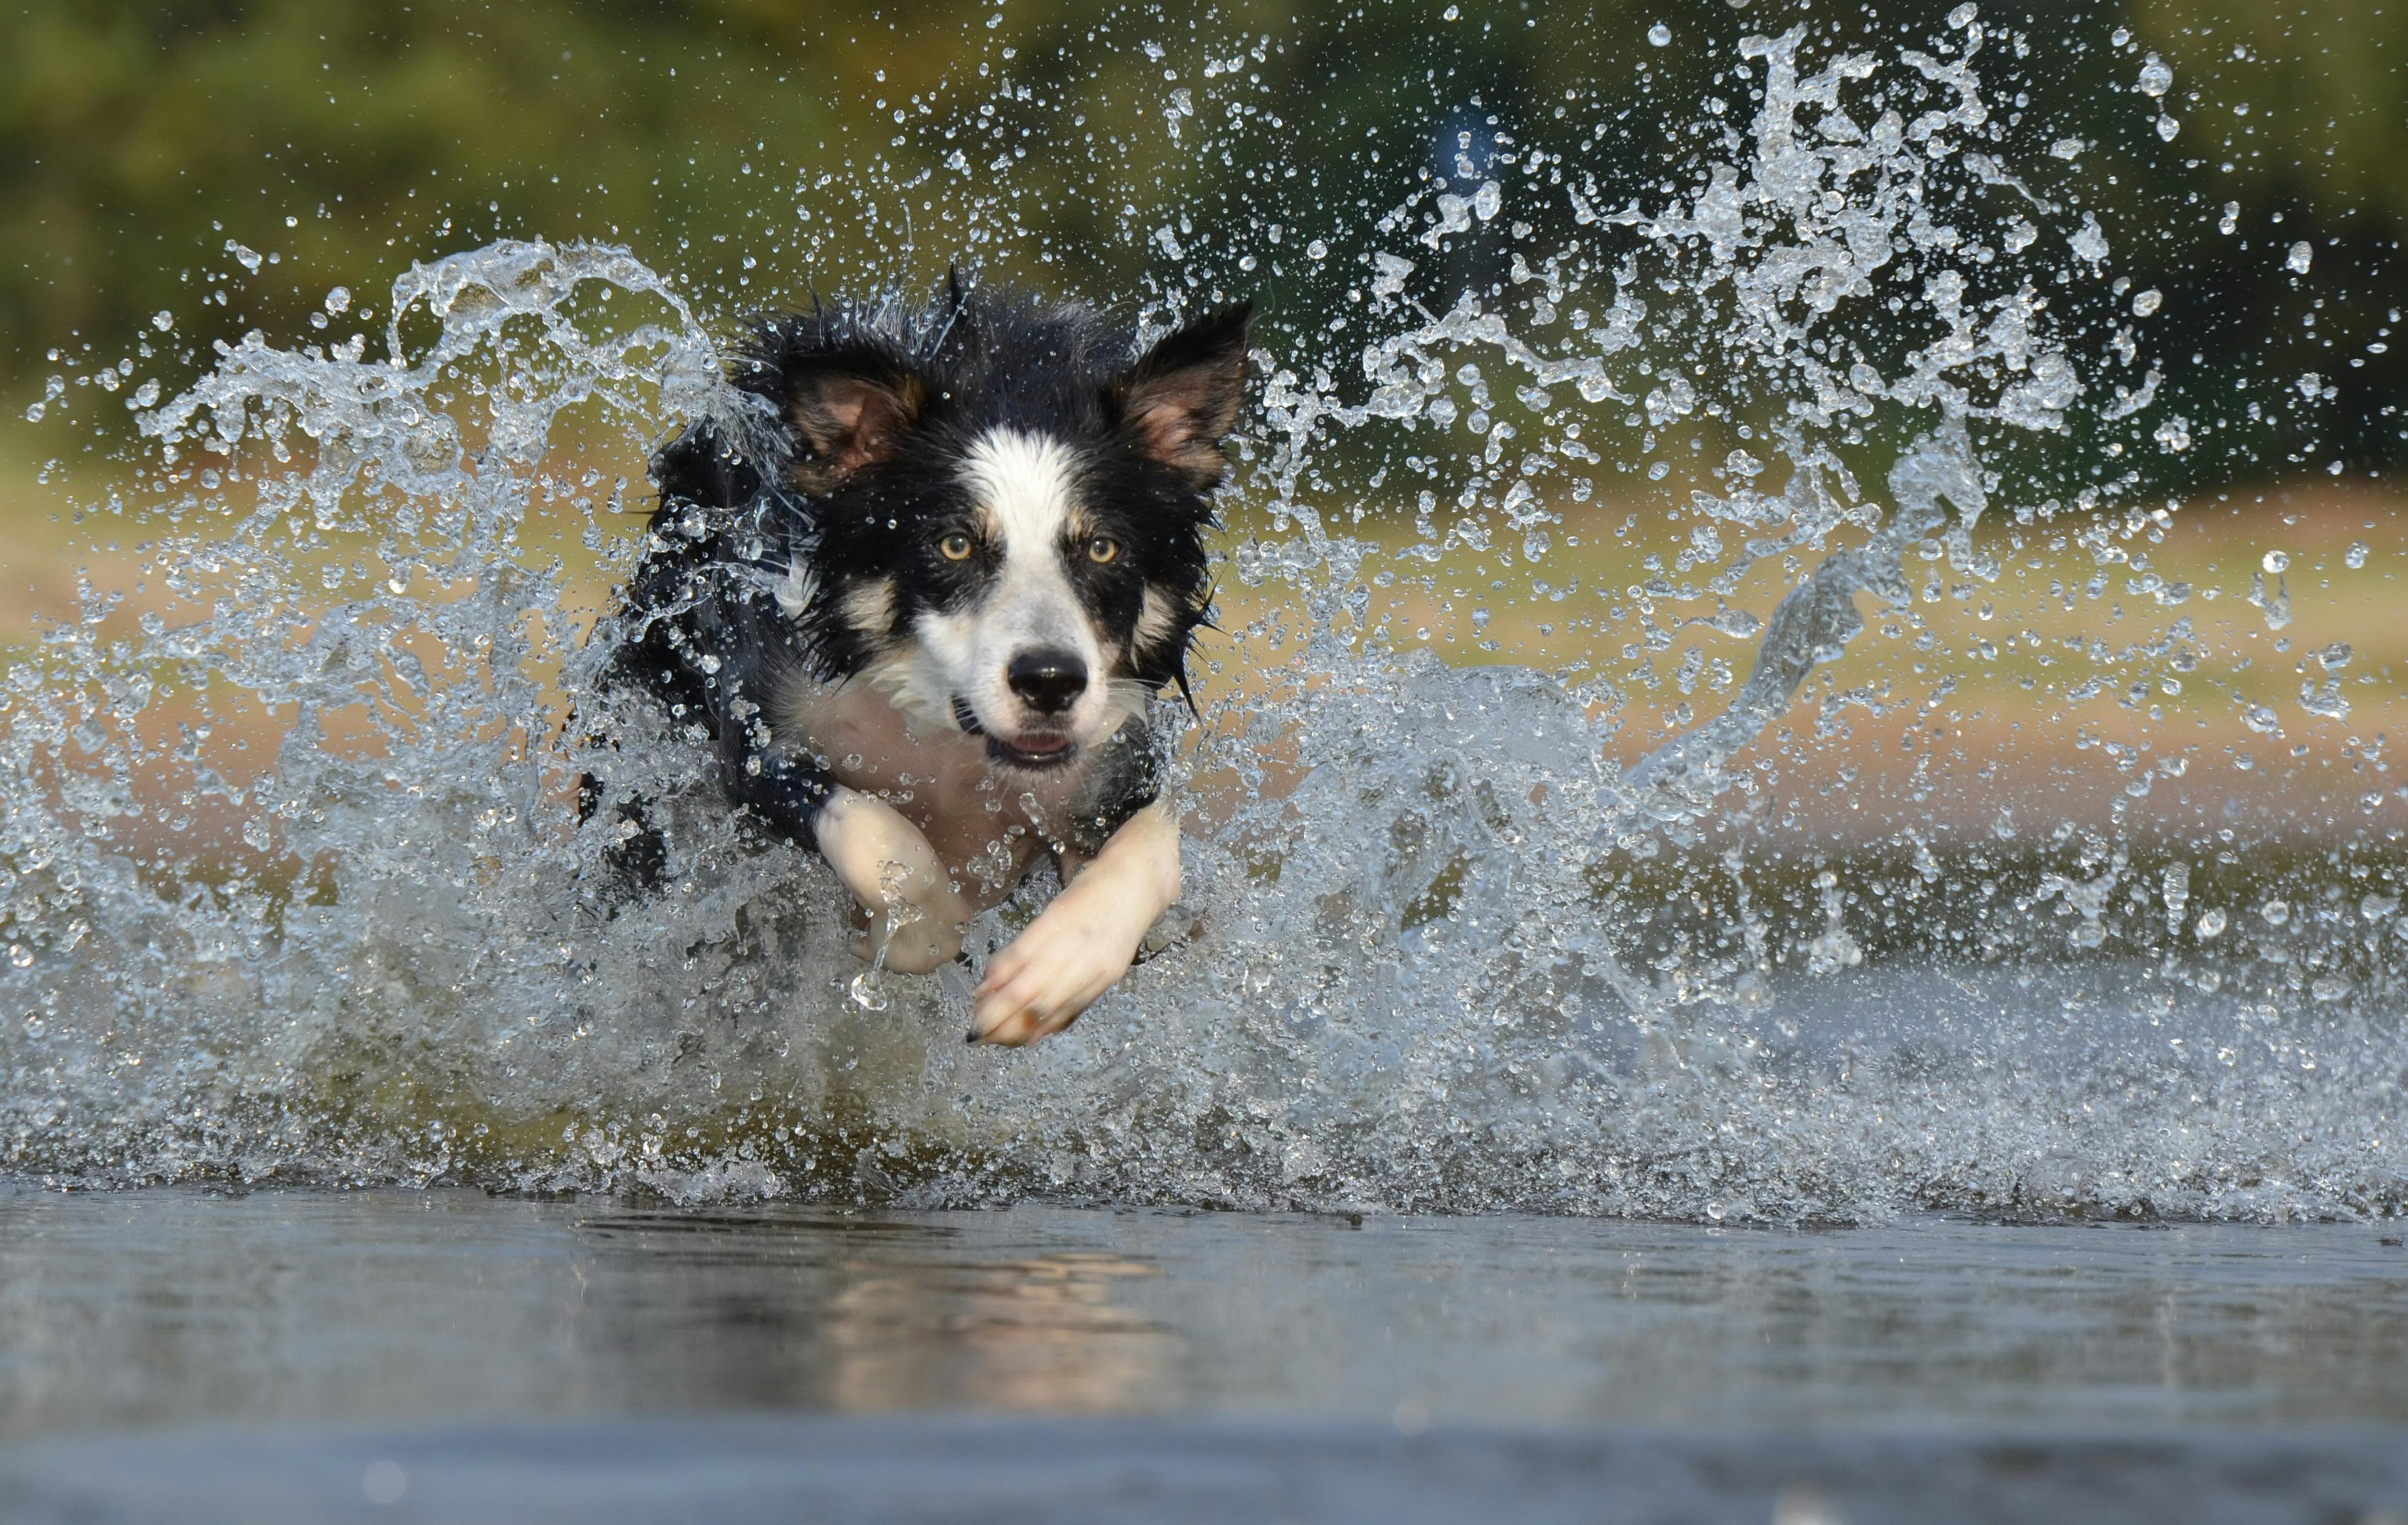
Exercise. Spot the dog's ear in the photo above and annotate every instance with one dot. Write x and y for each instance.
(1182, 399)
(850, 411)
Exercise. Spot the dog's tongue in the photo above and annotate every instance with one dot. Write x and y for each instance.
(1042, 746)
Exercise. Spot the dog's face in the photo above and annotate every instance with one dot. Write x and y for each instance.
(1008, 528)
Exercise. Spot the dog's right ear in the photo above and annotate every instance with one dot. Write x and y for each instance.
(849, 411)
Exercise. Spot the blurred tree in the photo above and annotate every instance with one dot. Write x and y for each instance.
(757, 149)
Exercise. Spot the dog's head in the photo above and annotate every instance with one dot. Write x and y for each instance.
(1006, 504)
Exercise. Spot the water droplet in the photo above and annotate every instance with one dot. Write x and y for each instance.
(163, 320)
(2231, 218)
(2277, 561)
(2275, 912)
(2167, 126)
(2355, 556)
(1661, 34)
(2089, 241)
(2260, 719)
(384, 1483)
(1317, 248)
(2300, 258)
(2156, 79)
(2146, 302)
(338, 299)
(2211, 924)
(20, 956)
(1962, 17)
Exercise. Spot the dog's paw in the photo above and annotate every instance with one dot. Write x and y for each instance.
(1042, 979)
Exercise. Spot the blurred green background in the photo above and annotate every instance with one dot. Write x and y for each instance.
(220, 166)
(345, 138)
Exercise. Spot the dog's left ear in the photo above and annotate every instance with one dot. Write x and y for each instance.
(1182, 399)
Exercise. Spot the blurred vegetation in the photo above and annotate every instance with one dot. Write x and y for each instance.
(758, 149)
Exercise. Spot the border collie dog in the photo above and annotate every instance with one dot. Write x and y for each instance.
(919, 601)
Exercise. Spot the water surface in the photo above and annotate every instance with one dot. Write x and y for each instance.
(514, 1349)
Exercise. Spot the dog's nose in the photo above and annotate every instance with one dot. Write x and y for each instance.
(1048, 682)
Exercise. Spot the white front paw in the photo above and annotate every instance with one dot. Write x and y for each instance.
(1046, 976)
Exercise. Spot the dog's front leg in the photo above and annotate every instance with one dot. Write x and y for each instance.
(1082, 944)
(914, 912)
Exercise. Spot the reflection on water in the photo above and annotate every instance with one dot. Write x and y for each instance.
(398, 1307)
(1026, 1335)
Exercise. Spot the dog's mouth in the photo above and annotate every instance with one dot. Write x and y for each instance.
(1033, 752)
(1037, 751)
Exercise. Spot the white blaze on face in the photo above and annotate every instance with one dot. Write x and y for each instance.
(1026, 486)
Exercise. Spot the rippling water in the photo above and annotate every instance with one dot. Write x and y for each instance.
(292, 891)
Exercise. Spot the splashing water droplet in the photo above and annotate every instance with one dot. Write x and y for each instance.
(1480, 831)
(2275, 561)
(2275, 912)
(2355, 556)
(2211, 924)
(2155, 77)
(2300, 258)
(2089, 241)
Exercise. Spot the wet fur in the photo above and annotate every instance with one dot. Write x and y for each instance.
(795, 592)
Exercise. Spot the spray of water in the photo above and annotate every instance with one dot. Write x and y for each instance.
(294, 891)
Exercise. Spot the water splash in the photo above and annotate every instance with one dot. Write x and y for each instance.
(292, 889)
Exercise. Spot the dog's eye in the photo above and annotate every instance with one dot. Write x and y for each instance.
(1103, 549)
(956, 546)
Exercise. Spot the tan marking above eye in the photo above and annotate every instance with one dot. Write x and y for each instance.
(956, 547)
(1103, 549)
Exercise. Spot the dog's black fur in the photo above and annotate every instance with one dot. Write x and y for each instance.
(847, 476)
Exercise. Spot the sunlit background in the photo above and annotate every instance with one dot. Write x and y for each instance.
(2132, 272)
(174, 177)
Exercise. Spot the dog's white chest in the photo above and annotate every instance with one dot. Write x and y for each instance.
(986, 823)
